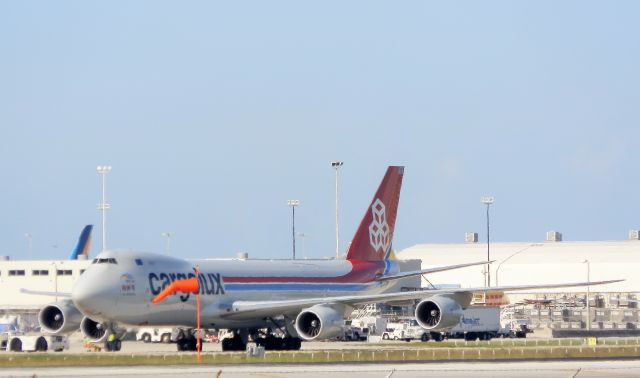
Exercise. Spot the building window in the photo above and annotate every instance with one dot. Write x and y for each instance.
(64, 272)
(16, 272)
(39, 272)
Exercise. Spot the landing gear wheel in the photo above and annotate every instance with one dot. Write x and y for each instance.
(233, 344)
(425, 337)
(41, 345)
(187, 344)
(16, 345)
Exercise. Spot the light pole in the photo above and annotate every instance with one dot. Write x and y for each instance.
(336, 165)
(55, 278)
(510, 256)
(104, 206)
(588, 295)
(29, 244)
(303, 236)
(293, 204)
(168, 245)
(487, 200)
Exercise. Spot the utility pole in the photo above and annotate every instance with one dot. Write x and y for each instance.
(293, 204)
(167, 235)
(104, 206)
(336, 165)
(488, 201)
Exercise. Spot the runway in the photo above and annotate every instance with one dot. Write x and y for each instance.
(533, 369)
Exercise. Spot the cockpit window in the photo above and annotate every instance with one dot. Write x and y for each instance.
(109, 260)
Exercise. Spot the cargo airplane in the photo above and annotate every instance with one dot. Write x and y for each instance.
(305, 299)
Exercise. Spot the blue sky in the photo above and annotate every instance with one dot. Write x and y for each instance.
(214, 114)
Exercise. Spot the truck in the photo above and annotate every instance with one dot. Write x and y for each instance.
(19, 342)
(392, 334)
(13, 339)
(515, 328)
(514, 322)
(485, 323)
(352, 332)
(477, 323)
(406, 331)
(154, 335)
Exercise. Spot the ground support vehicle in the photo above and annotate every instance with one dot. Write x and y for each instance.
(477, 323)
(393, 334)
(154, 335)
(406, 331)
(18, 342)
(515, 328)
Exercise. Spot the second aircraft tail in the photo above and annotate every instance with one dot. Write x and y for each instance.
(84, 243)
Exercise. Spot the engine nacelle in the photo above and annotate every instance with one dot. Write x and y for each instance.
(59, 317)
(95, 331)
(319, 322)
(438, 312)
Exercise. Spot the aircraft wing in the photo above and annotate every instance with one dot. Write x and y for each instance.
(427, 271)
(251, 309)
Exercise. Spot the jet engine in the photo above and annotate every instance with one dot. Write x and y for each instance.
(438, 312)
(319, 322)
(59, 317)
(95, 331)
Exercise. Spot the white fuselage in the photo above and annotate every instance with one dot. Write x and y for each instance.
(119, 286)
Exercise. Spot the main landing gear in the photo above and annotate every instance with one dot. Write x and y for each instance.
(279, 343)
(186, 341)
(237, 343)
(271, 342)
(267, 340)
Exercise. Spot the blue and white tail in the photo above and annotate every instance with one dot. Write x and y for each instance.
(84, 243)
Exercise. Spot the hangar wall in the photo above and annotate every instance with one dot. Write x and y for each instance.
(535, 263)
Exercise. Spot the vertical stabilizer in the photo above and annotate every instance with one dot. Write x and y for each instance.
(372, 241)
(84, 243)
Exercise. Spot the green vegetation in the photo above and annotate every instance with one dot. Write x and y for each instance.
(546, 349)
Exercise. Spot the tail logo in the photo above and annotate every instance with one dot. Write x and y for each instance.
(379, 229)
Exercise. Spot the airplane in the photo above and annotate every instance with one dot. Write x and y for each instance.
(305, 299)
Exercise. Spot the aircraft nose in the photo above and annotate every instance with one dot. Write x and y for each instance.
(82, 297)
(90, 295)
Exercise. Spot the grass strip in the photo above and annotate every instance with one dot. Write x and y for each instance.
(323, 356)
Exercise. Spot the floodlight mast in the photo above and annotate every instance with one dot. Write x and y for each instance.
(104, 206)
(588, 295)
(488, 200)
(167, 248)
(293, 204)
(336, 165)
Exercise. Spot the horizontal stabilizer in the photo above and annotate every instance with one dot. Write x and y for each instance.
(430, 270)
(47, 293)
